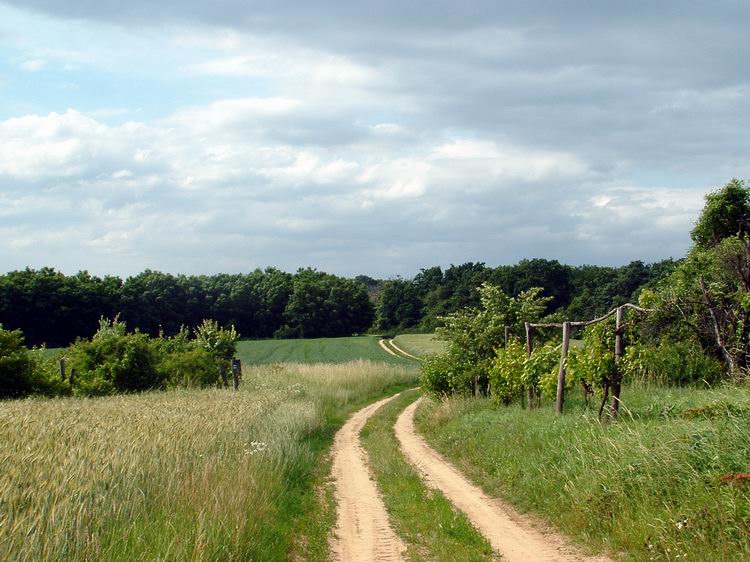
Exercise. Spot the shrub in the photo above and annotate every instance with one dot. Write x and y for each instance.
(115, 361)
(507, 372)
(191, 367)
(22, 374)
(16, 367)
(671, 363)
(446, 374)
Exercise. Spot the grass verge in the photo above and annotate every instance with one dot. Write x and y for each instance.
(183, 475)
(669, 482)
(426, 521)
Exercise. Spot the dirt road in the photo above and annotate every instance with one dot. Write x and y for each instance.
(511, 534)
(362, 528)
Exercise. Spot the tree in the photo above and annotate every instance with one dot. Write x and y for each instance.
(400, 306)
(324, 305)
(726, 213)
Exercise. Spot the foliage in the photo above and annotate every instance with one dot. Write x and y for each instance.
(474, 334)
(23, 373)
(541, 369)
(219, 342)
(115, 361)
(506, 372)
(593, 362)
(707, 299)
(325, 305)
(725, 214)
(399, 306)
(670, 363)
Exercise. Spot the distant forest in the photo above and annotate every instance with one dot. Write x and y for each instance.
(54, 309)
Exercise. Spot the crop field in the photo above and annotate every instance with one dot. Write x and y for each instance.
(419, 344)
(318, 350)
(180, 475)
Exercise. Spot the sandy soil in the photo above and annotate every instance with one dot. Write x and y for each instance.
(362, 529)
(386, 348)
(516, 537)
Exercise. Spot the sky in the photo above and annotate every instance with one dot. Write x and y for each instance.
(372, 138)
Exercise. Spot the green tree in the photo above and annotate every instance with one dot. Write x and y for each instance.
(399, 306)
(726, 213)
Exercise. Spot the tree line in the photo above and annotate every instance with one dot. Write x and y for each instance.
(573, 291)
(54, 309)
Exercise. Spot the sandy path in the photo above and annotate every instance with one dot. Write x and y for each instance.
(511, 534)
(386, 348)
(362, 528)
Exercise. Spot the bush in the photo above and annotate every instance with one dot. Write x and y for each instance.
(671, 363)
(115, 361)
(192, 367)
(16, 367)
(22, 374)
(506, 372)
(446, 374)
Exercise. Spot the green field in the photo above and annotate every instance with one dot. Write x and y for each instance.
(419, 344)
(319, 350)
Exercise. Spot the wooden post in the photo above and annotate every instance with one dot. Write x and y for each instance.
(223, 373)
(236, 370)
(507, 335)
(619, 353)
(72, 376)
(62, 368)
(529, 349)
(561, 373)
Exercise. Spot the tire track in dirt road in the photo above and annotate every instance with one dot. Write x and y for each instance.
(511, 534)
(363, 532)
(386, 348)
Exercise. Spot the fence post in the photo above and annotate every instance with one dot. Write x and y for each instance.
(561, 373)
(529, 349)
(223, 372)
(619, 353)
(72, 376)
(236, 370)
(507, 335)
(62, 368)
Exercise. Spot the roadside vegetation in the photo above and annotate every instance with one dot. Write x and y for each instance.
(429, 525)
(671, 480)
(186, 475)
(668, 482)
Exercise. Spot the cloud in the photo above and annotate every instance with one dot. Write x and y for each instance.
(366, 137)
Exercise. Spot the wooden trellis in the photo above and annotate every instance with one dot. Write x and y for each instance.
(619, 351)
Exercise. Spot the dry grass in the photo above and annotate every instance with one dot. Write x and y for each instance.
(185, 475)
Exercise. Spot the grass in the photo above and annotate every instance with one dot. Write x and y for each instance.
(669, 482)
(319, 350)
(431, 528)
(419, 344)
(183, 475)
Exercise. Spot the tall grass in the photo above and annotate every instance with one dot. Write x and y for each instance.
(664, 484)
(183, 475)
